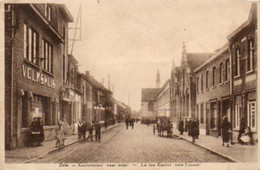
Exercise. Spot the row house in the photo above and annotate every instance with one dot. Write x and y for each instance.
(70, 99)
(243, 49)
(185, 92)
(213, 92)
(36, 59)
(163, 100)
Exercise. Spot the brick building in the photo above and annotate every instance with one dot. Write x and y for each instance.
(213, 92)
(36, 44)
(243, 47)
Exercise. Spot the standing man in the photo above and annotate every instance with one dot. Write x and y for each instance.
(80, 127)
(90, 130)
(84, 130)
(126, 123)
(98, 131)
(181, 127)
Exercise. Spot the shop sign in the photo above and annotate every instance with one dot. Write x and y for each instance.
(38, 77)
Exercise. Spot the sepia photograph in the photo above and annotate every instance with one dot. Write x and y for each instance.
(130, 84)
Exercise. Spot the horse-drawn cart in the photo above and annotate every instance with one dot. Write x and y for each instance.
(164, 124)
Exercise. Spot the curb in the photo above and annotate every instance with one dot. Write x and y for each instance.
(56, 149)
(211, 150)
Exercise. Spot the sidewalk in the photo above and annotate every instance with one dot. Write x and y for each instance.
(234, 153)
(25, 154)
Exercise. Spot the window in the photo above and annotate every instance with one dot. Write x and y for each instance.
(250, 56)
(237, 61)
(30, 44)
(221, 71)
(201, 82)
(48, 12)
(213, 76)
(150, 106)
(197, 84)
(207, 79)
(47, 53)
(251, 114)
(202, 113)
(227, 72)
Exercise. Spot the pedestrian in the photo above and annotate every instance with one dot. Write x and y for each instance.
(34, 132)
(193, 132)
(132, 123)
(186, 124)
(225, 131)
(98, 131)
(153, 128)
(242, 127)
(80, 129)
(181, 129)
(126, 123)
(105, 124)
(84, 130)
(90, 131)
(247, 137)
(41, 135)
(59, 135)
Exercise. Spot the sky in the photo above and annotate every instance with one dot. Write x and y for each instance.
(131, 40)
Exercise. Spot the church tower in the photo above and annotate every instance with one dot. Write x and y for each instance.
(158, 81)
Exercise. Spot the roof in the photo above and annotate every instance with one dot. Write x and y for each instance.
(217, 54)
(95, 83)
(252, 17)
(163, 87)
(65, 10)
(196, 59)
(149, 94)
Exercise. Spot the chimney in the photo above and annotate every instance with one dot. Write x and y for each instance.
(87, 73)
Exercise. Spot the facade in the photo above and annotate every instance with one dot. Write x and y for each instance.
(187, 84)
(70, 99)
(36, 40)
(174, 93)
(243, 48)
(163, 100)
(148, 103)
(213, 92)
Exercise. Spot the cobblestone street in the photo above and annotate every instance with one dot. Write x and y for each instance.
(132, 145)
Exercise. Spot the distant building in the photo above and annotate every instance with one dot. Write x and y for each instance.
(148, 103)
(163, 100)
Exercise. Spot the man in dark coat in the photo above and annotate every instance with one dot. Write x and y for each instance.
(98, 131)
(193, 130)
(41, 136)
(225, 126)
(90, 131)
(126, 123)
(84, 129)
(181, 124)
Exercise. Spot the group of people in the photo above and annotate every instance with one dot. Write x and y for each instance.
(36, 135)
(93, 126)
(129, 122)
(191, 127)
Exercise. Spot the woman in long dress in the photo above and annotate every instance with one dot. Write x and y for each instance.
(225, 131)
